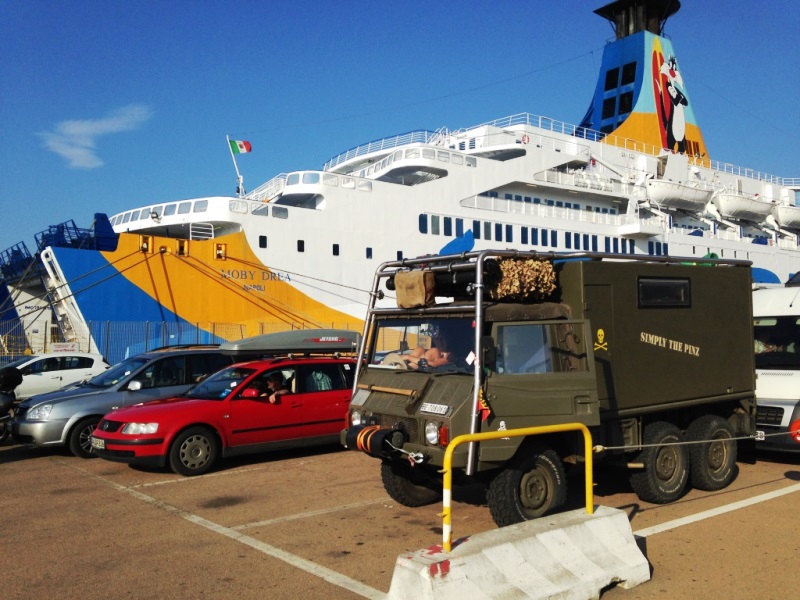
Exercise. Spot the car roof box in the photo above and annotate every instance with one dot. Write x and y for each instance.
(297, 341)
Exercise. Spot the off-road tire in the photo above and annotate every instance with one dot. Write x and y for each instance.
(713, 465)
(407, 486)
(194, 451)
(80, 437)
(533, 484)
(666, 469)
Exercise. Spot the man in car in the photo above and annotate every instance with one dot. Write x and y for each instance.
(276, 387)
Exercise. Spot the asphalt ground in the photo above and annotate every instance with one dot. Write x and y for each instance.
(318, 524)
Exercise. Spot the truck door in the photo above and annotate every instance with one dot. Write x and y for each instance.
(543, 374)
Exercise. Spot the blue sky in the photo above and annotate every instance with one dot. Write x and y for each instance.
(106, 105)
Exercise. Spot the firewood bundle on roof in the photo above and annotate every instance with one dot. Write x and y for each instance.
(524, 279)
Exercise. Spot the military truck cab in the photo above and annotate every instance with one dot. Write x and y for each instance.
(648, 353)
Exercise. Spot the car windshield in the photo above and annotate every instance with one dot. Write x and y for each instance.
(118, 372)
(441, 344)
(22, 361)
(220, 384)
(777, 342)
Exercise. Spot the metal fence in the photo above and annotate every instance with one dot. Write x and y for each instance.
(117, 340)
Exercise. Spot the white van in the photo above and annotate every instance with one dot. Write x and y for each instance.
(776, 313)
(42, 373)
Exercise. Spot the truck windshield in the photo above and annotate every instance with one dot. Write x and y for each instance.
(424, 344)
(777, 342)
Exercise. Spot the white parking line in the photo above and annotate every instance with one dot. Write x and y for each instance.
(312, 513)
(707, 514)
(328, 575)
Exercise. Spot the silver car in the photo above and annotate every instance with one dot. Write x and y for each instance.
(68, 417)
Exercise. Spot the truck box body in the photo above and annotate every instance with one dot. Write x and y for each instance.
(659, 332)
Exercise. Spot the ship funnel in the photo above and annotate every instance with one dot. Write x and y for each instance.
(632, 16)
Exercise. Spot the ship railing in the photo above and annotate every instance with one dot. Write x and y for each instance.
(412, 137)
(546, 211)
(201, 231)
(787, 243)
(267, 191)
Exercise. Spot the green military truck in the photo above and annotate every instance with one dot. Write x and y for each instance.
(647, 352)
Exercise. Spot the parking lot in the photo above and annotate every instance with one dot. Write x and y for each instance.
(318, 524)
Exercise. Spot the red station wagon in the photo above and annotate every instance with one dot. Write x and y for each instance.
(235, 412)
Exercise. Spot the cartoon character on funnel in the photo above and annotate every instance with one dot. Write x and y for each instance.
(672, 103)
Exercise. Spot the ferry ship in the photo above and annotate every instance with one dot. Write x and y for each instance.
(632, 177)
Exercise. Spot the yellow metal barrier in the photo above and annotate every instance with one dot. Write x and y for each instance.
(447, 466)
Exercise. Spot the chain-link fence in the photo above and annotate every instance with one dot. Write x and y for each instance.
(116, 340)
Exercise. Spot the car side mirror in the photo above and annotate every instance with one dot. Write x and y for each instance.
(488, 353)
(134, 386)
(250, 393)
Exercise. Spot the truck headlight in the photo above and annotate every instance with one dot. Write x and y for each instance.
(139, 428)
(39, 413)
(355, 418)
(432, 432)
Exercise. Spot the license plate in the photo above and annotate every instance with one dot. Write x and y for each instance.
(98, 443)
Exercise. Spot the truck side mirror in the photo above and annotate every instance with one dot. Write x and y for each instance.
(488, 352)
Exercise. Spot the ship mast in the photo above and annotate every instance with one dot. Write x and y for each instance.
(632, 16)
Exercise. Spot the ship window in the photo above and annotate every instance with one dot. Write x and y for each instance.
(364, 186)
(508, 196)
(399, 255)
(608, 244)
(448, 226)
(663, 292)
(293, 179)
(428, 153)
(369, 253)
(509, 233)
(616, 246)
(585, 241)
(169, 209)
(200, 206)
(443, 156)
(487, 230)
(238, 206)
(262, 241)
(459, 227)
(537, 200)
(331, 180)
(524, 235)
(412, 153)
(470, 161)
(157, 210)
(349, 183)
(568, 240)
(423, 223)
(135, 215)
(145, 213)
(550, 202)
(435, 225)
(126, 217)
(609, 107)
(544, 237)
(457, 159)
(594, 243)
(628, 73)
(577, 241)
(518, 198)
(476, 229)
(498, 232)
(625, 103)
(612, 77)
(184, 208)
(336, 249)
(280, 212)
(554, 238)
(260, 210)
(398, 154)
(559, 204)
(301, 245)
(534, 236)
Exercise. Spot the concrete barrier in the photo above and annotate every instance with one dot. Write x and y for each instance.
(570, 555)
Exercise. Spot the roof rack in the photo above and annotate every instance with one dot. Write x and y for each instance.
(296, 342)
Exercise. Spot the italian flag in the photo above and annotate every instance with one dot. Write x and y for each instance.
(240, 147)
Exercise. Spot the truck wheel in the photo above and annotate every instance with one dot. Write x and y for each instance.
(193, 452)
(713, 465)
(533, 485)
(666, 468)
(407, 486)
(80, 438)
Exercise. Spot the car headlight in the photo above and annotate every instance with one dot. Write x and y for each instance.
(39, 413)
(432, 432)
(139, 428)
(355, 418)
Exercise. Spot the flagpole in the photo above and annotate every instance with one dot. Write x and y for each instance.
(240, 187)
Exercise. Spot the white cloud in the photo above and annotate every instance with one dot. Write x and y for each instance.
(76, 140)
